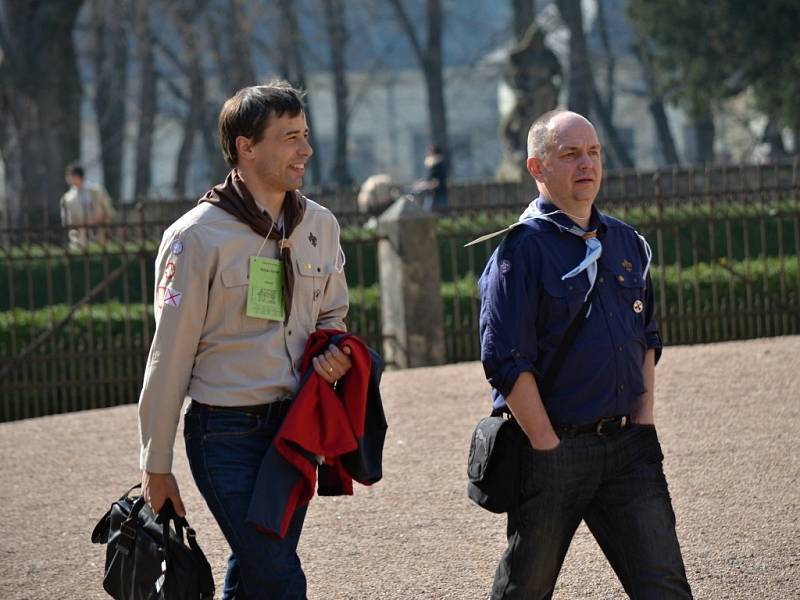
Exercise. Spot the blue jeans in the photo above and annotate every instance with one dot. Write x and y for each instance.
(615, 484)
(225, 449)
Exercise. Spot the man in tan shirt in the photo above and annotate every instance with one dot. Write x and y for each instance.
(83, 207)
(242, 280)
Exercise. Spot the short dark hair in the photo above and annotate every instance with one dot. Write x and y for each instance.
(247, 113)
(538, 135)
(75, 168)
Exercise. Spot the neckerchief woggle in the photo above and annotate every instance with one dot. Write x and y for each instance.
(594, 248)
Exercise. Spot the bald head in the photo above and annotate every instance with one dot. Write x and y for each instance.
(540, 135)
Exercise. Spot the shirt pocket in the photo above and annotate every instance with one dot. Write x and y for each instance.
(235, 283)
(311, 274)
(629, 292)
(562, 299)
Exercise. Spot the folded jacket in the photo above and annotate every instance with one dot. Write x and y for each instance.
(345, 425)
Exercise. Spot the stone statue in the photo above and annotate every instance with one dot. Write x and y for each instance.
(534, 76)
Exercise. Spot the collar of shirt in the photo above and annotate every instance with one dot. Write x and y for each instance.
(597, 220)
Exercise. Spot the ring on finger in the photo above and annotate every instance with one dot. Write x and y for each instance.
(330, 370)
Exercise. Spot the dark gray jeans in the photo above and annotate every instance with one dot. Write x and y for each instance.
(616, 484)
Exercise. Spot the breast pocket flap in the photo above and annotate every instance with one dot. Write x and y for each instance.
(233, 278)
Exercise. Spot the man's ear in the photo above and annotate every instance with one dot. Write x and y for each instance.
(244, 147)
(534, 168)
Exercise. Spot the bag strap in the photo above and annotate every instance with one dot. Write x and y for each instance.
(566, 342)
(167, 514)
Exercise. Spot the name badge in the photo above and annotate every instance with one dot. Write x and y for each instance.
(265, 289)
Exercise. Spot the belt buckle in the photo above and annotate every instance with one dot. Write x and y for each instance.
(599, 429)
(623, 422)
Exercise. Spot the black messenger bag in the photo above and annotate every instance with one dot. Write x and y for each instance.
(493, 465)
(495, 452)
(146, 559)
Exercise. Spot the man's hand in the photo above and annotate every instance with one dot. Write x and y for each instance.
(643, 413)
(545, 440)
(332, 364)
(157, 487)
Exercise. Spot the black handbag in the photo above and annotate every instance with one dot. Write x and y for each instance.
(495, 451)
(146, 559)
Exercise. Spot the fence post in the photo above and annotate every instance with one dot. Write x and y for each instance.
(411, 296)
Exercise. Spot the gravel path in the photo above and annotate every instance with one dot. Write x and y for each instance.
(728, 418)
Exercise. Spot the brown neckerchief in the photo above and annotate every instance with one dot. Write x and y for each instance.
(233, 196)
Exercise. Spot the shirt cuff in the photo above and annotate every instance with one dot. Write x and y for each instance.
(155, 462)
(654, 342)
(504, 375)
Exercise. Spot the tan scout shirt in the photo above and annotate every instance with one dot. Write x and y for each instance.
(205, 346)
(76, 212)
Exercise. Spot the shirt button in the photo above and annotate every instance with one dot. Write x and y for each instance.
(601, 280)
(610, 314)
(619, 348)
(621, 386)
(290, 332)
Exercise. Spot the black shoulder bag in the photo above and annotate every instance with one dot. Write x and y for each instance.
(148, 560)
(493, 467)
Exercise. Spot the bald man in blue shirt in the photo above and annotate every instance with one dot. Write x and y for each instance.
(593, 453)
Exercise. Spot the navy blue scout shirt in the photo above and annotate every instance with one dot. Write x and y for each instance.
(526, 309)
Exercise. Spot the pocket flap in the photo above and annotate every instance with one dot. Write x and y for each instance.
(632, 279)
(569, 287)
(312, 268)
(493, 438)
(233, 277)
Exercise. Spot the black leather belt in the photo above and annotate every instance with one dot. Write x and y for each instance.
(279, 407)
(605, 426)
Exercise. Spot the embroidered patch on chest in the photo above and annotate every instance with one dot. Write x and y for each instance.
(505, 266)
(177, 247)
(638, 306)
(313, 239)
(627, 265)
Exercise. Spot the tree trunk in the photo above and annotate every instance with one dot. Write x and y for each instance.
(110, 67)
(337, 35)
(704, 133)
(610, 58)
(580, 70)
(524, 15)
(239, 60)
(773, 135)
(147, 102)
(669, 152)
(434, 77)
(295, 72)
(37, 47)
(193, 120)
(583, 92)
(430, 60)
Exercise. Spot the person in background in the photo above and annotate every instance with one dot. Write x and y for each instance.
(434, 186)
(85, 209)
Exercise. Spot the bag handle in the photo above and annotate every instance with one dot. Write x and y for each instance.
(167, 514)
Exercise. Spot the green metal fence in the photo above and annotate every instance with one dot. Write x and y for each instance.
(76, 325)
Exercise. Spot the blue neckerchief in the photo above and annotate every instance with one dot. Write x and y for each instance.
(543, 209)
(594, 248)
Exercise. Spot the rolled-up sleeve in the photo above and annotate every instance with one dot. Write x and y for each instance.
(652, 335)
(509, 305)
